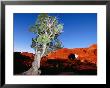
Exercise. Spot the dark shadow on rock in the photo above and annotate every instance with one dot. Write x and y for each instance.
(71, 56)
(21, 63)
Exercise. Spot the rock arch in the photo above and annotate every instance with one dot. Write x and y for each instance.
(72, 56)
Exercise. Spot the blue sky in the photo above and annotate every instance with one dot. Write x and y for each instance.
(80, 30)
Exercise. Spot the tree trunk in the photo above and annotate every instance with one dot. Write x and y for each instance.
(43, 50)
(34, 70)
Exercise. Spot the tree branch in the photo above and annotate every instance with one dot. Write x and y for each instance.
(43, 50)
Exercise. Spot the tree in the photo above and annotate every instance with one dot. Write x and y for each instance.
(47, 29)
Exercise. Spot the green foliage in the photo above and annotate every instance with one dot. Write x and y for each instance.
(47, 29)
(58, 44)
(60, 27)
(33, 29)
(43, 39)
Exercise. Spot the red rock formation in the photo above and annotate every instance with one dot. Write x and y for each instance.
(86, 60)
(31, 55)
(93, 46)
(22, 61)
(84, 54)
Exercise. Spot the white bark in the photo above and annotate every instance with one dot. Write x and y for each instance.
(37, 60)
(34, 70)
(43, 49)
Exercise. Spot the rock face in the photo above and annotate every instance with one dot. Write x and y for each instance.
(60, 60)
(84, 54)
(22, 61)
(27, 54)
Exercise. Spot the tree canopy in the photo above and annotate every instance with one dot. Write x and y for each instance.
(47, 29)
